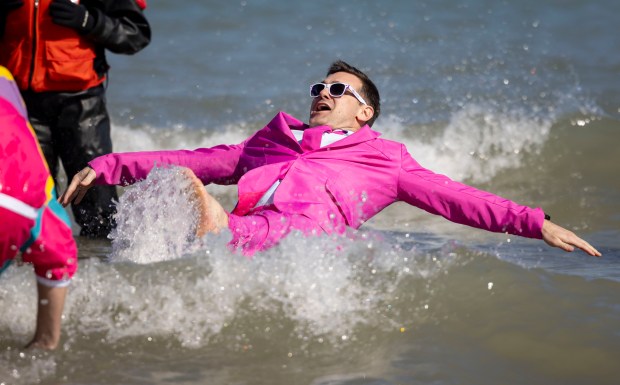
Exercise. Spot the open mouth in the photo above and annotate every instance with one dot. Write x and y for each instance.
(322, 107)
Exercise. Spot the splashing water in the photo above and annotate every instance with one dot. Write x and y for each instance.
(322, 288)
(155, 219)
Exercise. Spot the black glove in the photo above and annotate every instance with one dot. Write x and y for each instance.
(75, 16)
(9, 5)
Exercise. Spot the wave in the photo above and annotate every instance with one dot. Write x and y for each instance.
(375, 292)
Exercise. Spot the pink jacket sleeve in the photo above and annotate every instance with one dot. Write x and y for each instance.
(463, 204)
(211, 165)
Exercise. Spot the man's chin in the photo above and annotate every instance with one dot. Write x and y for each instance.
(313, 123)
(316, 121)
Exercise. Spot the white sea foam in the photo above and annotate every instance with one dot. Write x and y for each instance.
(477, 143)
(127, 139)
(326, 288)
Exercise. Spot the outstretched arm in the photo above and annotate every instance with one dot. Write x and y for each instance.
(464, 204)
(566, 240)
(78, 187)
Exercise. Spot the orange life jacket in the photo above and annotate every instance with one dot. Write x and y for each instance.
(44, 56)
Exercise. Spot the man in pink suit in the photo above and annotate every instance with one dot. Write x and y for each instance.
(323, 177)
(34, 228)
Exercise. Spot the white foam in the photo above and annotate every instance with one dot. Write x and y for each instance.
(127, 139)
(155, 218)
(326, 288)
(477, 143)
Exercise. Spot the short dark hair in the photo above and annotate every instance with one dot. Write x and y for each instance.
(369, 91)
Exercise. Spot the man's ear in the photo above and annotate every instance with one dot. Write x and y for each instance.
(365, 113)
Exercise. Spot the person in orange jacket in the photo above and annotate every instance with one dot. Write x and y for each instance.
(55, 50)
(34, 228)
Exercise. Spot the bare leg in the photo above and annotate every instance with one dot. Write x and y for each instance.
(213, 217)
(51, 301)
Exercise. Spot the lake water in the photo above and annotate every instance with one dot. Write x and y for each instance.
(518, 98)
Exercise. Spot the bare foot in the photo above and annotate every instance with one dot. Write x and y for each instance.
(41, 345)
(212, 217)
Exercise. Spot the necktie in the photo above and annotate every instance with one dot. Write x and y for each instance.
(311, 139)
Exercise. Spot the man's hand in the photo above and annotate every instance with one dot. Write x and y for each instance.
(566, 240)
(78, 187)
(68, 14)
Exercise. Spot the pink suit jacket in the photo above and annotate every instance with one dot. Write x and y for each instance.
(341, 185)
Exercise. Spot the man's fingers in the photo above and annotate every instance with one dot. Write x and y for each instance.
(80, 195)
(566, 240)
(78, 187)
(573, 241)
(586, 247)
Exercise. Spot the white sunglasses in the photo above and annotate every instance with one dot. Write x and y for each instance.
(336, 90)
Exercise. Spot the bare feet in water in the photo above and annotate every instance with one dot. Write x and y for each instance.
(212, 217)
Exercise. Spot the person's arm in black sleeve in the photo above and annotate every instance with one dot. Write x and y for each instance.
(119, 25)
